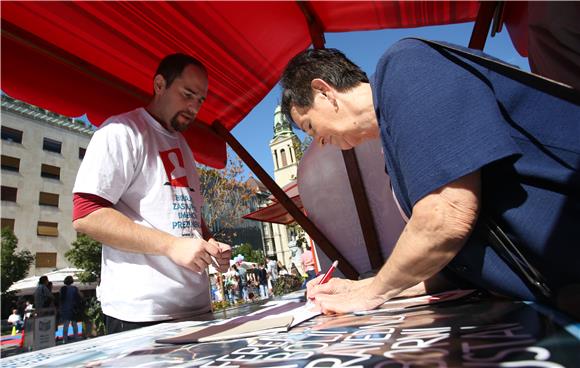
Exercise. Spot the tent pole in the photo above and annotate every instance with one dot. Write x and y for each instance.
(350, 161)
(482, 23)
(343, 264)
(363, 209)
(314, 24)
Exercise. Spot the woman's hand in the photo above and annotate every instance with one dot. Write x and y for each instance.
(354, 299)
(333, 286)
(343, 296)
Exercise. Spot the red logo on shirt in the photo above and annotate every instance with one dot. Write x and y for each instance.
(174, 168)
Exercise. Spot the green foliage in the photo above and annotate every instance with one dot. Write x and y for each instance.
(86, 255)
(15, 265)
(250, 254)
(216, 306)
(94, 314)
(286, 284)
(300, 147)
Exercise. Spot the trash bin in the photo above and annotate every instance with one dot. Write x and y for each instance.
(39, 329)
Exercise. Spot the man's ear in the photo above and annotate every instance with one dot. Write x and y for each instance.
(320, 85)
(158, 84)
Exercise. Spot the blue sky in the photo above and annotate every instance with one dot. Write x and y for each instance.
(364, 48)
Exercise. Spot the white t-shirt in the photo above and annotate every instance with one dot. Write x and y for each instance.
(13, 318)
(149, 174)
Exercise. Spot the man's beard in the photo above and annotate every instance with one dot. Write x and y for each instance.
(178, 127)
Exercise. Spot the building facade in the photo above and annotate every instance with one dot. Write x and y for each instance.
(284, 147)
(260, 199)
(41, 154)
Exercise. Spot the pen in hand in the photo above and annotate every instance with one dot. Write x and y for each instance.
(324, 279)
(197, 235)
(328, 273)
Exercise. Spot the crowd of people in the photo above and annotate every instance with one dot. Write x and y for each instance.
(243, 282)
(248, 281)
(67, 305)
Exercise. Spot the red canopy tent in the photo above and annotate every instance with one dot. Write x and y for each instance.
(275, 212)
(98, 58)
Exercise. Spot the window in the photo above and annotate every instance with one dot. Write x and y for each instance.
(10, 163)
(7, 223)
(9, 193)
(47, 228)
(283, 155)
(11, 135)
(47, 260)
(51, 145)
(49, 171)
(48, 199)
(82, 152)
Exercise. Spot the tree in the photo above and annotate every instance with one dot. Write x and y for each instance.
(250, 254)
(300, 147)
(15, 265)
(226, 198)
(86, 255)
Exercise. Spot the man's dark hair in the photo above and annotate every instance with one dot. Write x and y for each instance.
(68, 280)
(172, 66)
(43, 280)
(330, 65)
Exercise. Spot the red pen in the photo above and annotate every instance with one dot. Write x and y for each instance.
(328, 273)
(324, 280)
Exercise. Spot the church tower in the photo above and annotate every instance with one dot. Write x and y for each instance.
(283, 146)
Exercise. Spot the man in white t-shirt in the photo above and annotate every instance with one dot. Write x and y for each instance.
(15, 320)
(137, 191)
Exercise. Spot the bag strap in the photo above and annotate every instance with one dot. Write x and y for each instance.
(549, 86)
(510, 253)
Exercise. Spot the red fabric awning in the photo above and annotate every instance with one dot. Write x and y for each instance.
(275, 212)
(98, 57)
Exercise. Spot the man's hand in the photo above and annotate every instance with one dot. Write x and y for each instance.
(223, 260)
(196, 254)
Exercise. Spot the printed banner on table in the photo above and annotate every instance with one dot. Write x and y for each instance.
(476, 331)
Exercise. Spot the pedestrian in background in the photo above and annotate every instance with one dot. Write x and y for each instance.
(308, 263)
(43, 297)
(263, 279)
(70, 307)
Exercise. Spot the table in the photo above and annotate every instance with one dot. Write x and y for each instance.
(477, 331)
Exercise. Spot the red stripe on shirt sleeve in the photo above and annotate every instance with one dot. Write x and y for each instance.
(85, 204)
